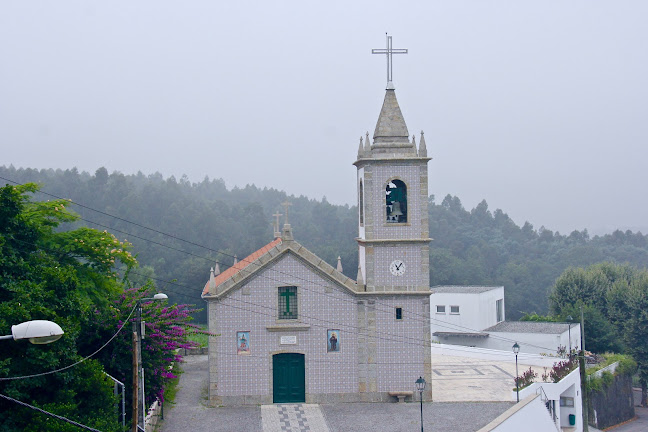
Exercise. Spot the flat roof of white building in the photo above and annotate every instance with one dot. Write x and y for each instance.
(457, 289)
(529, 327)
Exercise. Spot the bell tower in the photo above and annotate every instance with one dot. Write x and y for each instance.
(392, 181)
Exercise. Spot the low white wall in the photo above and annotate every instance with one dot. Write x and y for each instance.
(152, 417)
(494, 355)
(530, 415)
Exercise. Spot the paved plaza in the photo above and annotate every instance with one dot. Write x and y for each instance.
(463, 379)
(191, 413)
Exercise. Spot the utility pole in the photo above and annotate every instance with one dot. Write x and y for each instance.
(583, 377)
(135, 414)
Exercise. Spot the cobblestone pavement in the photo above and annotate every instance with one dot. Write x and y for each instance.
(293, 418)
(191, 413)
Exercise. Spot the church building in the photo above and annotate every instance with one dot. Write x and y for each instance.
(292, 328)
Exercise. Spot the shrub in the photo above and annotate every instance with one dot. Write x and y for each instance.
(526, 379)
(560, 370)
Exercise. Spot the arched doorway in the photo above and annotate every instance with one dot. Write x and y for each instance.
(288, 378)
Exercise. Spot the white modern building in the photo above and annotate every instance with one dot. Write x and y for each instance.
(474, 316)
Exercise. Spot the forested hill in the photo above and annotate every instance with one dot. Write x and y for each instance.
(206, 222)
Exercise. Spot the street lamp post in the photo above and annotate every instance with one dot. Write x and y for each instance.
(139, 404)
(569, 323)
(420, 387)
(38, 332)
(516, 350)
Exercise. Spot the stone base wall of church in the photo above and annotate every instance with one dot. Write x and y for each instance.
(318, 398)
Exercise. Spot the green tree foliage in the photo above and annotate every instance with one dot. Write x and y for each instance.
(56, 276)
(629, 312)
(166, 327)
(615, 306)
(469, 247)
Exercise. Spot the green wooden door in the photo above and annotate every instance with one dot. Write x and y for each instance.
(289, 378)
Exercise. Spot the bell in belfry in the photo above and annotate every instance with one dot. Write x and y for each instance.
(396, 209)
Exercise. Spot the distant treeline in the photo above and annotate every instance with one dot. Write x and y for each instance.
(207, 222)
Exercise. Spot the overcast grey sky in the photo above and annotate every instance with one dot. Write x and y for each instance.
(537, 107)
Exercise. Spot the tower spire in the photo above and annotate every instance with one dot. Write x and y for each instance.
(391, 128)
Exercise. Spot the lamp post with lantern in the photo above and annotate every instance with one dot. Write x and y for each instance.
(516, 350)
(420, 387)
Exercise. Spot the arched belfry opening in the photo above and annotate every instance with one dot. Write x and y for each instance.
(396, 201)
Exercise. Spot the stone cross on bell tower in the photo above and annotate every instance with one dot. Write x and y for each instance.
(388, 53)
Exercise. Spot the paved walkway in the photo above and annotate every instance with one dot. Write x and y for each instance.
(293, 418)
(191, 413)
(641, 423)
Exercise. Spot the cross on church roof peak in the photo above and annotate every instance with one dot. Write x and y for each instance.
(286, 205)
(277, 232)
(388, 53)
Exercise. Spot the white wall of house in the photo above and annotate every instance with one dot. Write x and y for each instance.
(476, 311)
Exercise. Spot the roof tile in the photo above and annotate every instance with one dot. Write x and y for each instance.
(236, 268)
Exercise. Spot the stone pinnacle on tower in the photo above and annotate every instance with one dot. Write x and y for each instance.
(359, 280)
(212, 280)
(422, 147)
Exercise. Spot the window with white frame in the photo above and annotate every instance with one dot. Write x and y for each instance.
(499, 306)
(454, 310)
(440, 309)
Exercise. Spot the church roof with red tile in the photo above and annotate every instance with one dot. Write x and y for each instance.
(241, 264)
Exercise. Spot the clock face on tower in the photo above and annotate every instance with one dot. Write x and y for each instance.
(397, 267)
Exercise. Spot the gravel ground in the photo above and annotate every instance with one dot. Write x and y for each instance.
(190, 413)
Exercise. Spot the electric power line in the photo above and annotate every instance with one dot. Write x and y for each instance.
(440, 323)
(49, 413)
(78, 362)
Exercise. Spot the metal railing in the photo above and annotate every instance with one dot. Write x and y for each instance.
(550, 404)
(123, 398)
